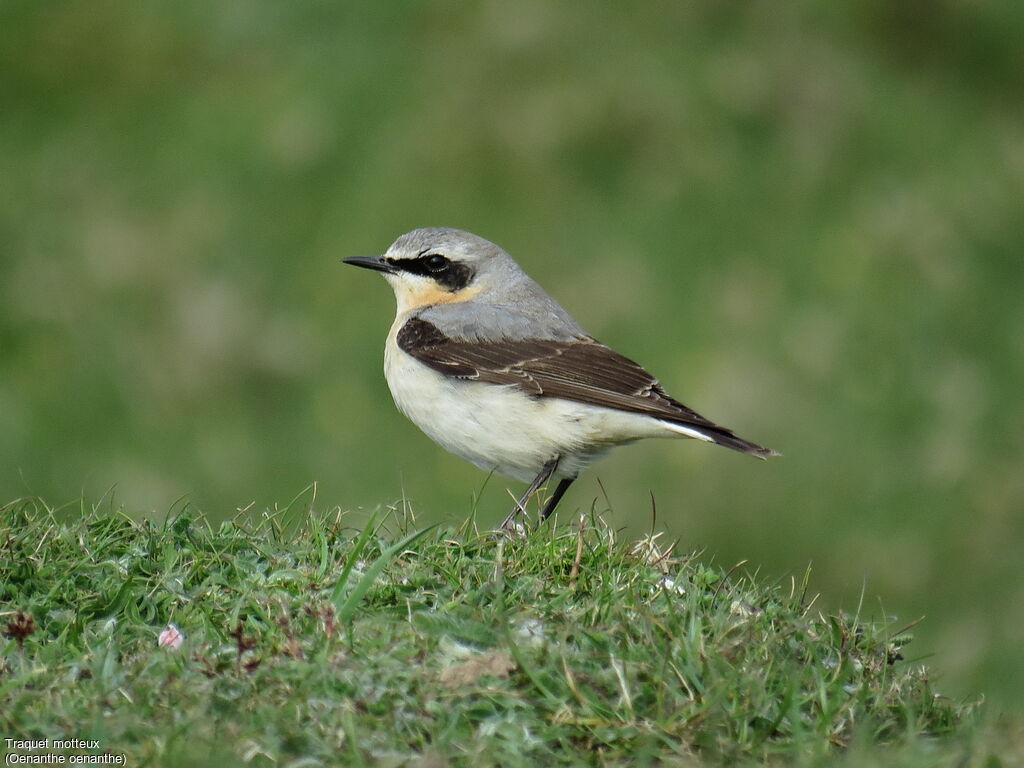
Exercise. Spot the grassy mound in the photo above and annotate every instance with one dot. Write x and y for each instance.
(307, 640)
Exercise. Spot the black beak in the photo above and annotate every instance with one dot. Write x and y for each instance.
(370, 262)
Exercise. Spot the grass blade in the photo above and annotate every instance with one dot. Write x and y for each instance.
(348, 608)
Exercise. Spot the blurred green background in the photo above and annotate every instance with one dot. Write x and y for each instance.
(806, 218)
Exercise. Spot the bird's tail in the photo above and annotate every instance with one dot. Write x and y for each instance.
(713, 433)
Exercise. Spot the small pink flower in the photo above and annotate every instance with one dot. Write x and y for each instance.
(171, 638)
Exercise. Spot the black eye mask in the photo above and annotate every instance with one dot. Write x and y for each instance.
(451, 275)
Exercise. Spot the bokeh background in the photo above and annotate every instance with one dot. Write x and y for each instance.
(805, 217)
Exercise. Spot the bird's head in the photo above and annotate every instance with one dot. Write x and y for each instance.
(439, 265)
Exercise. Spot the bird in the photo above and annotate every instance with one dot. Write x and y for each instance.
(495, 371)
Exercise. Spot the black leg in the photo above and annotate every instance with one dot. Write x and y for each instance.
(549, 507)
(542, 477)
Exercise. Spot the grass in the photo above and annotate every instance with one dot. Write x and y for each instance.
(312, 638)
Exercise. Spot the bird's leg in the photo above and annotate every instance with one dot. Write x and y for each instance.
(560, 489)
(542, 477)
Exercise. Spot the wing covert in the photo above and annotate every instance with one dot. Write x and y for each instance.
(583, 370)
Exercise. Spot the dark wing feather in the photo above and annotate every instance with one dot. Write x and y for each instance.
(583, 370)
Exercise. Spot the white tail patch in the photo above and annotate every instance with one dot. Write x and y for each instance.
(688, 431)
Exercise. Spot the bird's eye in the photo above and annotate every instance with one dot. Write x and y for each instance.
(436, 262)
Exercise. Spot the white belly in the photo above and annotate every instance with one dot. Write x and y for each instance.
(501, 428)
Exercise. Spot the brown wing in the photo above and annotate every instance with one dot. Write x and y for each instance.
(582, 370)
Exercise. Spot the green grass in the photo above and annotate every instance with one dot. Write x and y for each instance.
(317, 638)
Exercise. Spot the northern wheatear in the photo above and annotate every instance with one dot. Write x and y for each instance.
(494, 370)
